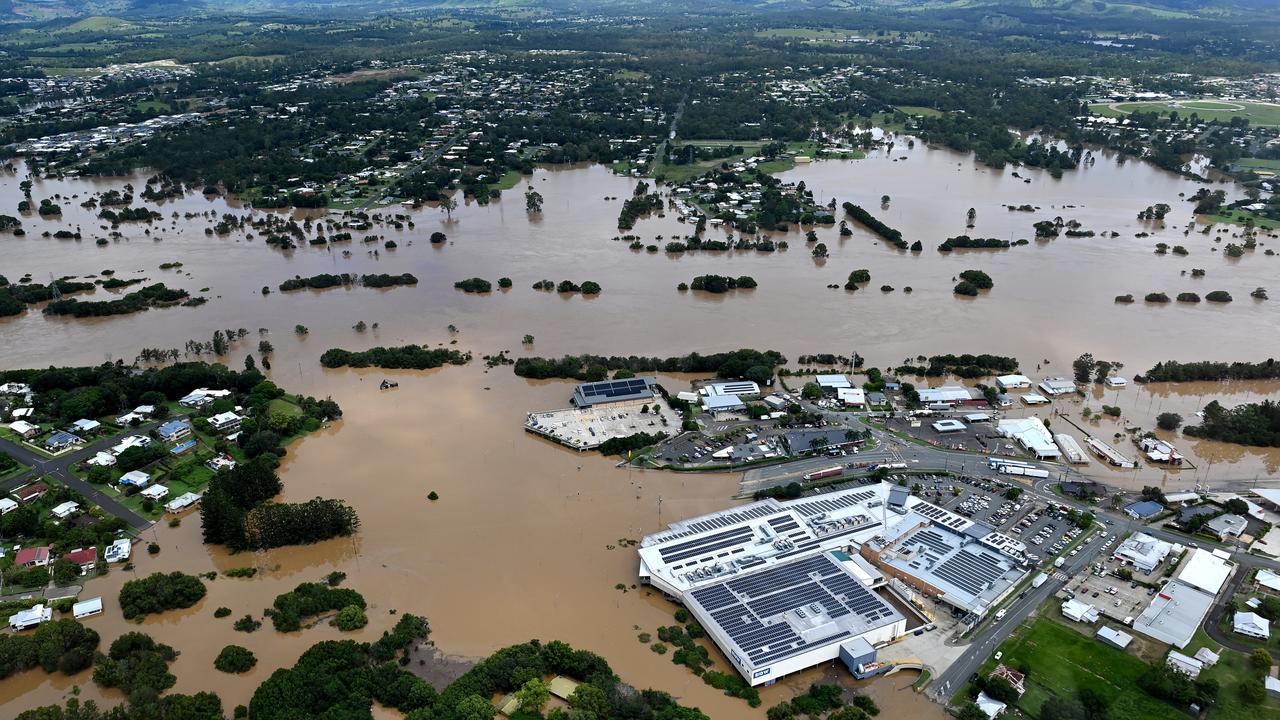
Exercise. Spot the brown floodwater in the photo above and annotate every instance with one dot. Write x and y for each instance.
(517, 546)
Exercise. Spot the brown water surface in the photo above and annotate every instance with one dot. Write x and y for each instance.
(517, 545)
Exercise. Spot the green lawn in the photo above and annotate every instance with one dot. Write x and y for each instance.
(150, 105)
(509, 179)
(281, 405)
(1238, 217)
(919, 110)
(1062, 661)
(1265, 114)
(1259, 163)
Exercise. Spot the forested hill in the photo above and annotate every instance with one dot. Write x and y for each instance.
(1161, 9)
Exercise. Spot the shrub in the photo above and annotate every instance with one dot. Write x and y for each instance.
(980, 279)
(1218, 296)
(222, 612)
(159, 592)
(350, 618)
(235, 659)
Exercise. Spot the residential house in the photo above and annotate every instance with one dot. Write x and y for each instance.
(140, 413)
(221, 462)
(24, 429)
(155, 492)
(182, 502)
(60, 440)
(1251, 624)
(7, 505)
(102, 459)
(118, 551)
(1015, 679)
(200, 397)
(84, 558)
(1080, 612)
(130, 442)
(31, 493)
(33, 556)
(27, 619)
(225, 422)
(136, 478)
(1184, 664)
(85, 426)
(65, 510)
(1226, 526)
(174, 430)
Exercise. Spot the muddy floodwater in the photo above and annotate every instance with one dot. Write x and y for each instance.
(518, 546)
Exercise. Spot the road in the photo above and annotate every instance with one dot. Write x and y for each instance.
(660, 154)
(989, 637)
(59, 469)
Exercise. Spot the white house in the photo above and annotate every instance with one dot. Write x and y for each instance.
(201, 397)
(85, 426)
(118, 551)
(24, 429)
(1080, 612)
(102, 459)
(136, 478)
(1116, 381)
(87, 608)
(65, 510)
(1252, 624)
(30, 618)
(225, 422)
(182, 502)
(155, 492)
(7, 505)
(1184, 664)
(129, 442)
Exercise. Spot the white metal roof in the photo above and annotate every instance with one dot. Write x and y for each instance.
(1202, 569)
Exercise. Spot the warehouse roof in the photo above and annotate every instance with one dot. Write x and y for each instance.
(763, 617)
(607, 391)
(1202, 569)
(1174, 614)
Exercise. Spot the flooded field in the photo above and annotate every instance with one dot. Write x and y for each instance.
(517, 547)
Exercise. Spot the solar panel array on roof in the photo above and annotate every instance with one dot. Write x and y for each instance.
(719, 520)
(940, 516)
(748, 609)
(971, 572)
(706, 543)
(609, 389)
(831, 504)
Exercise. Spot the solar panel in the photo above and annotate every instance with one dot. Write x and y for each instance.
(758, 611)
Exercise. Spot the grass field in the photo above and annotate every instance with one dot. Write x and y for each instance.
(919, 110)
(1259, 163)
(1062, 661)
(1265, 114)
(509, 179)
(1238, 217)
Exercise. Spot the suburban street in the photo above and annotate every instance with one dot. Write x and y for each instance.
(59, 469)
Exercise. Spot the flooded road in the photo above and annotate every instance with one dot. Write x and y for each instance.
(517, 547)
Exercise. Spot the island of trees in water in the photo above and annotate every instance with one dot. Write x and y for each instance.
(324, 281)
(754, 365)
(408, 357)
